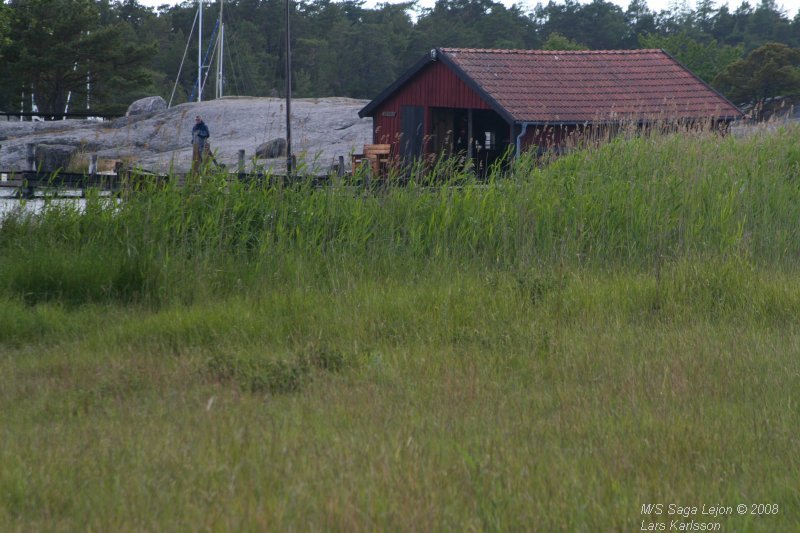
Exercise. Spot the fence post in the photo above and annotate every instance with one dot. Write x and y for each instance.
(241, 164)
(118, 172)
(93, 164)
(341, 166)
(31, 156)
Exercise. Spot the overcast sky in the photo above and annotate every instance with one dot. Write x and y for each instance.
(790, 6)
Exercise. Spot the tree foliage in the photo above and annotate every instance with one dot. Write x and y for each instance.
(706, 59)
(124, 50)
(62, 54)
(556, 41)
(5, 27)
(767, 72)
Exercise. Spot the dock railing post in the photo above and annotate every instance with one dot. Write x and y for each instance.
(92, 173)
(118, 174)
(241, 164)
(31, 156)
(29, 182)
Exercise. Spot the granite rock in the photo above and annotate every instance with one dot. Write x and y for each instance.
(272, 149)
(322, 130)
(53, 157)
(144, 106)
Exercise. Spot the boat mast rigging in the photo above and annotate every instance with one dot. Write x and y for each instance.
(200, 52)
(288, 75)
(220, 45)
(215, 46)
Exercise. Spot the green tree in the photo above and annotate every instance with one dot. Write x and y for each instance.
(706, 60)
(116, 67)
(599, 24)
(556, 41)
(454, 23)
(769, 71)
(738, 24)
(640, 21)
(704, 16)
(5, 28)
(6, 90)
(678, 18)
(767, 23)
(62, 50)
(471, 24)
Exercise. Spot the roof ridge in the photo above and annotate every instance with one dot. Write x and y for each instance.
(547, 52)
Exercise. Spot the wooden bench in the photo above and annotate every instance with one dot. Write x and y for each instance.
(377, 156)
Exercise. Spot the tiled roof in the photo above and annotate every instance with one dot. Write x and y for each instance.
(581, 86)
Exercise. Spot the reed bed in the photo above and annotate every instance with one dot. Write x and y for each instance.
(630, 203)
(548, 349)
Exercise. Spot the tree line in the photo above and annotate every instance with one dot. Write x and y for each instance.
(102, 55)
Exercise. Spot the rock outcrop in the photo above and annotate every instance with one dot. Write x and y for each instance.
(151, 104)
(54, 157)
(272, 149)
(322, 130)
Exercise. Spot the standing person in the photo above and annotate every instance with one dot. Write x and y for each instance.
(199, 136)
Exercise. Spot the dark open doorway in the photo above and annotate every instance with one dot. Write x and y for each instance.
(479, 134)
(412, 120)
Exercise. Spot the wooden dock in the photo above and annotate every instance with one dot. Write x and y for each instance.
(35, 182)
(30, 184)
(26, 184)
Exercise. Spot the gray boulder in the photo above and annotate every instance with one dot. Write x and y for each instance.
(271, 149)
(151, 104)
(52, 157)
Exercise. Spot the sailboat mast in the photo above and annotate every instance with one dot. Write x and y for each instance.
(288, 75)
(221, 49)
(200, 53)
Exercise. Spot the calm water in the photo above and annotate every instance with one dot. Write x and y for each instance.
(35, 205)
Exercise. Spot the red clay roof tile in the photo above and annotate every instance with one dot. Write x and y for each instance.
(585, 86)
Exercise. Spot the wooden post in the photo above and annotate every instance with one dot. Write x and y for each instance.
(93, 165)
(28, 188)
(241, 164)
(31, 155)
(471, 145)
(341, 166)
(118, 172)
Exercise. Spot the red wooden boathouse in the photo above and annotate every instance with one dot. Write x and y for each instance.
(482, 102)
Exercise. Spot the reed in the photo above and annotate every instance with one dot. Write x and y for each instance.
(628, 203)
(547, 349)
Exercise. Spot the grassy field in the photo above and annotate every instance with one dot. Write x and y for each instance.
(546, 352)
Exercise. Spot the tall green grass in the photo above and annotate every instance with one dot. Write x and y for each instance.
(630, 203)
(545, 350)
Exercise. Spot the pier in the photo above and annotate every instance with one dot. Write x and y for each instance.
(29, 184)
(37, 182)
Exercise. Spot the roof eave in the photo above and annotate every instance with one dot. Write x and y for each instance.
(369, 109)
(605, 122)
(710, 88)
(475, 86)
(441, 55)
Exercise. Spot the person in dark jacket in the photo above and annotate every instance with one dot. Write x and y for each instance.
(199, 145)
